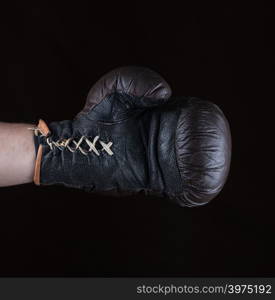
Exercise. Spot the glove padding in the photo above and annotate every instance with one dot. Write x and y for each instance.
(132, 136)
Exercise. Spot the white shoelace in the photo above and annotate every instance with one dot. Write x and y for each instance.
(73, 145)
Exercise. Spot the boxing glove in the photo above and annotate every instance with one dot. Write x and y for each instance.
(132, 136)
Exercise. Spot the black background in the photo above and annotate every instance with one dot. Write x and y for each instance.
(53, 53)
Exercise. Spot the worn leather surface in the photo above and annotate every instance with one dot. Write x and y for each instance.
(174, 147)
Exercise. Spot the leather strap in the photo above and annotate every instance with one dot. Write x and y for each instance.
(44, 130)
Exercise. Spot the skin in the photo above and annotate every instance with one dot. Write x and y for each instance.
(17, 154)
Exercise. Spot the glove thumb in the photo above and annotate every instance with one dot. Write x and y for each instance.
(125, 89)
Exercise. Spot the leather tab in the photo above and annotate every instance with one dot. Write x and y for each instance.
(37, 167)
(44, 130)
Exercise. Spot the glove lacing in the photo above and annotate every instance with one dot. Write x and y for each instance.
(66, 143)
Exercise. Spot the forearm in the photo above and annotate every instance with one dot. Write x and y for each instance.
(17, 154)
